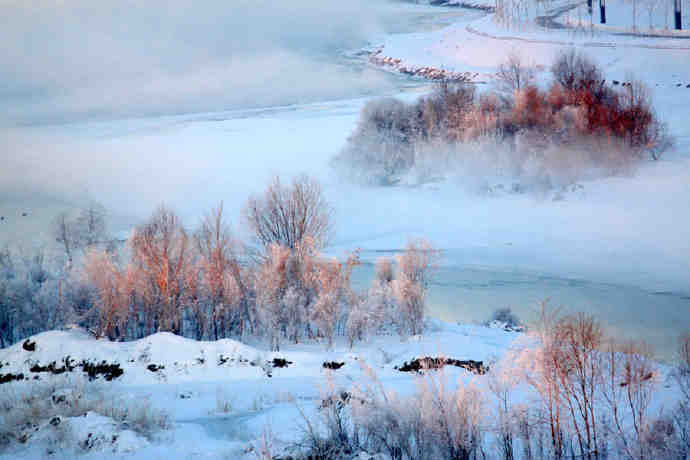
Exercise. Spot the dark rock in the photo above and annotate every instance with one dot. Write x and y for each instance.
(108, 371)
(419, 365)
(333, 365)
(280, 362)
(6, 378)
(28, 345)
(52, 368)
(155, 367)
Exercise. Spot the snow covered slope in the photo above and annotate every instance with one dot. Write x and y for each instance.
(220, 395)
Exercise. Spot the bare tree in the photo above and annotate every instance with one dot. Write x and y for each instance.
(579, 371)
(82, 231)
(683, 371)
(66, 233)
(91, 226)
(629, 382)
(514, 74)
(574, 71)
(681, 416)
(542, 364)
(287, 214)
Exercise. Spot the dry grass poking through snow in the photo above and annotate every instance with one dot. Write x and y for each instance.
(50, 414)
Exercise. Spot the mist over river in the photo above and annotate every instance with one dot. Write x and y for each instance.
(190, 105)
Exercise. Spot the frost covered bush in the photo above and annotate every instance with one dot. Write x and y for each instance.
(591, 397)
(37, 293)
(438, 421)
(396, 298)
(300, 293)
(383, 143)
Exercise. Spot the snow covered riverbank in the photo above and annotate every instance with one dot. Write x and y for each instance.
(220, 395)
(178, 398)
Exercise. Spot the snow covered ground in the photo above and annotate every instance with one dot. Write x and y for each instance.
(218, 399)
(221, 395)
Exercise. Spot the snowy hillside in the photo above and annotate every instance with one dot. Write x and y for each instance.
(218, 396)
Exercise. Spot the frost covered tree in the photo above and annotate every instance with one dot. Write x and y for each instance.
(410, 284)
(298, 292)
(113, 287)
(272, 283)
(377, 308)
(163, 268)
(82, 231)
(36, 293)
(334, 296)
(222, 282)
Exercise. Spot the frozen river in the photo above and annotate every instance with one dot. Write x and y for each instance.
(617, 249)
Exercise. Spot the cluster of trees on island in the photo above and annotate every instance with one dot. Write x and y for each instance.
(553, 137)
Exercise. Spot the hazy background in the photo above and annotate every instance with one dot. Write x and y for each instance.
(74, 59)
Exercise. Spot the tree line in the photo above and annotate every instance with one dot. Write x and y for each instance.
(207, 284)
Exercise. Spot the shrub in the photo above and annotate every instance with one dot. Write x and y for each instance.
(299, 293)
(436, 422)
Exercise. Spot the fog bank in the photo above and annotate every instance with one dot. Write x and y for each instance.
(78, 59)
